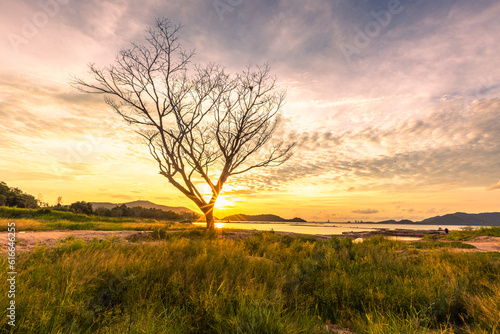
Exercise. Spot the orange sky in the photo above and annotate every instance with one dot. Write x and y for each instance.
(401, 121)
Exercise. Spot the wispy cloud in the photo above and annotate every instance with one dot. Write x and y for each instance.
(450, 147)
(494, 186)
(366, 211)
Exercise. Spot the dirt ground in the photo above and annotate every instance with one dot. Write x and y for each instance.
(485, 244)
(27, 240)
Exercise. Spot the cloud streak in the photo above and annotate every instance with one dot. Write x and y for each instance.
(366, 211)
(494, 186)
(449, 145)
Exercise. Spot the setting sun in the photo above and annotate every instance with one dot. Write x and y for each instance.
(223, 203)
(220, 225)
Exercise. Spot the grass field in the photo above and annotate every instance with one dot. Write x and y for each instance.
(195, 282)
(134, 225)
(53, 215)
(470, 233)
(41, 219)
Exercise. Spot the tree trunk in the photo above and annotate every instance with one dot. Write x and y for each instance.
(209, 216)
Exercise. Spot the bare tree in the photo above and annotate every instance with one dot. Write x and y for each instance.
(201, 126)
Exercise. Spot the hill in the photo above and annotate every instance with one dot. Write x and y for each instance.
(144, 204)
(401, 222)
(261, 218)
(462, 218)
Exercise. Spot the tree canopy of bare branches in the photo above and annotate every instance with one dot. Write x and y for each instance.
(201, 125)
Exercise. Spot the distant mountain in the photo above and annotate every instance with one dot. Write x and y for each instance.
(458, 218)
(144, 204)
(261, 218)
(462, 218)
(401, 222)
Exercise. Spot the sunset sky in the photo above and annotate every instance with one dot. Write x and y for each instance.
(394, 105)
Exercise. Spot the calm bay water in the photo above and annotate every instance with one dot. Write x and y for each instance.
(327, 228)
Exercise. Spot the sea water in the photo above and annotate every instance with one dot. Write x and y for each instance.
(327, 228)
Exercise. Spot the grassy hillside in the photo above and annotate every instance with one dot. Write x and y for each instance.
(46, 214)
(144, 204)
(44, 219)
(194, 282)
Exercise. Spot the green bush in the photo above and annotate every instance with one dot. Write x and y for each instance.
(468, 234)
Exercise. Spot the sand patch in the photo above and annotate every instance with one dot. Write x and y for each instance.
(27, 240)
(485, 243)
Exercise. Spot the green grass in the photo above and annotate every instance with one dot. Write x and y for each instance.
(42, 219)
(50, 215)
(195, 282)
(467, 234)
(441, 244)
(53, 216)
(135, 225)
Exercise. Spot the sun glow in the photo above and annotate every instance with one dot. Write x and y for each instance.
(223, 203)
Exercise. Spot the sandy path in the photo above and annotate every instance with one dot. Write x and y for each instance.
(27, 240)
(485, 244)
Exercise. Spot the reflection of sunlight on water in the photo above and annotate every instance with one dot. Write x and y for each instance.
(404, 238)
(324, 229)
